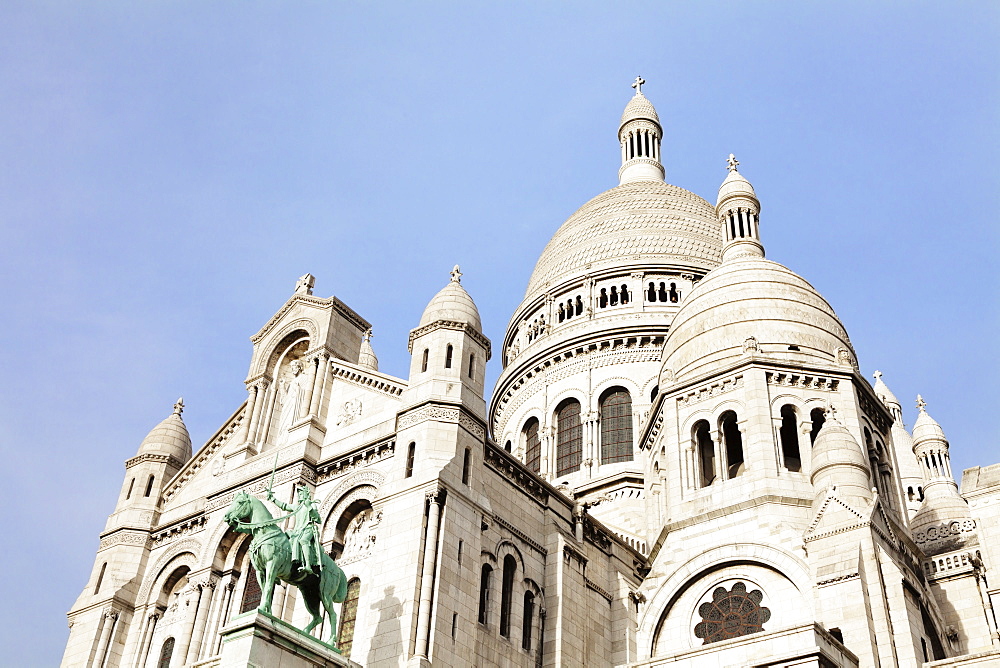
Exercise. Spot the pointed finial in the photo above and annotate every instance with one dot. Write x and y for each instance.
(877, 375)
(369, 335)
(921, 404)
(456, 275)
(732, 163)
(179, 406)
(637, 84)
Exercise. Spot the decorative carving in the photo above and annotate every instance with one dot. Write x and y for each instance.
(124, 537)
(205, 454)
(593, 586)
(731, 614)
(523, 537)
(516, 473)
(351, 410)
(846, 358)
(711, 390)
(802, 380)
(365, 379)
(946, 532)
(364, 456)
(466, 328)
(183, 528)
(258, 486)
(750, 344)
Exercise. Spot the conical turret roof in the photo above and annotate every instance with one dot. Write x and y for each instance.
(170, 437)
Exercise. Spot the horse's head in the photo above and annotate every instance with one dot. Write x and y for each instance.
(240, 510)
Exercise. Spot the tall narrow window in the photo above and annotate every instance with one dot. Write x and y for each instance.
(818, 417)
(602, 301)
(673, 295)
(449, 351)
(466, 463)
(130, 486)
(616, 426)
(789, 434)
(149, 485)
(528, 621)
(251, 592)
(624, 294)
(733, 440)
(423, 363)
(166, 653)
(613, 299)
(348, 616)
(100, 578)
(507, 594)
(569, 438)
(411, 453)
(705, 450)
(532, 446)
(579, 306)
(662, 294)
(651, 293)
(507, 446)
(485, 582)
(472, 365)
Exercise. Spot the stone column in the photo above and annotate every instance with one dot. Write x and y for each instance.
(544, 469)
(427, 573)
(147, 639)
(318, 382)
(110, 620)
(265, 429)
(223, 590)
(304, 408)
(251, 407)
(207, 595)
(184, 637)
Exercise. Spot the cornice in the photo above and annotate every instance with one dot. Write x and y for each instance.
(330, 303)
(169, 460)
(355, 375)
(455, 325)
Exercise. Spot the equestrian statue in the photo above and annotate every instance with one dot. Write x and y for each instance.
(295, 557)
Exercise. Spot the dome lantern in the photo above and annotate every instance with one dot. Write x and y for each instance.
(738, 210)
(639, 134)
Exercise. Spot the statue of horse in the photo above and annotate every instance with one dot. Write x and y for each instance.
(271, 555)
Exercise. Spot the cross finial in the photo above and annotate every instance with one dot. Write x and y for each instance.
(368, 334)
(877, 375)
(179, 406)
(456, 275)
(637, 84)
(732, 163)
(921, 404)
(831, 410)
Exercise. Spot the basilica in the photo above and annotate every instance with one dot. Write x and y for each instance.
(680, 465)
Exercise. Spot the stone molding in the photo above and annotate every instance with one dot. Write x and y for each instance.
(806, 380)
(515, 473)
(838, 579)
(205, 454)
(330, 303)
(169, 460)
(710, 390)
(362, 457)
(295, 471)
(945, 532)
(369, 478)
(520, 535)
(451, 324)
(593, 586)
(187, 526)
(191, 545)
(365, 379)
(124, 537)
(442, 413)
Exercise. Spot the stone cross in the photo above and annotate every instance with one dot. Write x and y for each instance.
(732, 162)
(369, 335)
(637, 84)
(921, 403)
(877, 375)
(304, 286)
(456, 275)
(179, 406)
(832, 410)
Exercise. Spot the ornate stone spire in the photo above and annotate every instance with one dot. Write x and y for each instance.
(639, 134)
(738, 210)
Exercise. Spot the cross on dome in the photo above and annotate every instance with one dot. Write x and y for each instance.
(877, 375)
(637, 84)
(732, 163)
(456, 275)
(179, 406)
(921, 404)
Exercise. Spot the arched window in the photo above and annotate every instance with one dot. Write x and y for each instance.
(654, 392)
(616, 426)
(569, 438)
(562, 313)
(166, 653)
(528, 621)
(733, 440)
(602, 301)
(348, 616)
(423, 363)
(789, 433)
(579, 306)
(411, 453)
(651, 292)
(705, 450)
(466, 463)
(624, 294)
(100, 578)
(130, 486)
(449, 351)
(149, 485)
(613, 299)
(485, 582)
(472, 365)
(507, 446)
(662, 294)
(532, 446)
(818, 417)
(507, 594)
(251, 591)
(673, 295)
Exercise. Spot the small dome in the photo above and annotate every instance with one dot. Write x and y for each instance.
(170, 437)
(750, 305)
(366, 357)
(883, 392)
(639, 108)
(926, 428)
(452, 304)
(837, 459)
(735, 185)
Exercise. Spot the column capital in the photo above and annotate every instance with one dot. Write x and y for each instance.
(111, 612)
(434, 495)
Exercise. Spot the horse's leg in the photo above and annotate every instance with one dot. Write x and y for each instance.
(310, 597)
(330, 582)
(267, 588)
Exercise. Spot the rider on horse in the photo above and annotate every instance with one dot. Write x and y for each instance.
(304, 537)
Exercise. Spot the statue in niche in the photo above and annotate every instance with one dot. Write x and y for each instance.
(289, 391)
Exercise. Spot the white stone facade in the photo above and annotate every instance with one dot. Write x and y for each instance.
(680, 465)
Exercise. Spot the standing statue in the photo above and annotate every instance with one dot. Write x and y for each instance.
(272, 550)
(304, 536)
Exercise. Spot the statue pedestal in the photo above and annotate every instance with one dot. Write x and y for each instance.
(258, 640)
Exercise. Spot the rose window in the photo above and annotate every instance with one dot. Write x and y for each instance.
(731, 614)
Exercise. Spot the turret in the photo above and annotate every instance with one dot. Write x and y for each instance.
(910, 475)
(366, 357)
(639, 134)
(738, 211)
(838, 461)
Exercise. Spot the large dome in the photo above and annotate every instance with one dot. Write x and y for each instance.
(752, 305)
(636, 223)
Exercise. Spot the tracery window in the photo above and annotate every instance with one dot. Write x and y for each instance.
(616, 426)
(569, 438)
(532, 446)
(348, 617)
(731, 614)
(166, 653)
(251, 592)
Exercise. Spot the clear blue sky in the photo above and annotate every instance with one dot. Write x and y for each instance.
(168, 169)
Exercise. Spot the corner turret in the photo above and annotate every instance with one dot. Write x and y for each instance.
(838, 461)
(738, 210)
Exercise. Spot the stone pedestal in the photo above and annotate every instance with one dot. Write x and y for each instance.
(258, 640)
